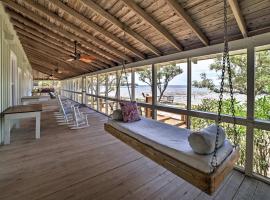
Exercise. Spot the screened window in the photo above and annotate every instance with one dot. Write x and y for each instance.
(143, 84)
(262, 84)
(102, 84)
(112, 84)
(206, 78)
(125, 85)
(172, 83)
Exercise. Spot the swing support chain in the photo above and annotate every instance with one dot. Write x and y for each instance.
(225, 63)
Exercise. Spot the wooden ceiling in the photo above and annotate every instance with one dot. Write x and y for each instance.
(115, 30)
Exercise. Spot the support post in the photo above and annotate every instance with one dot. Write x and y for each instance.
(84, 90)
(106, 93)
(250, 110)
(97, 93)
(132, 84)
(154, 91)
(189, 86)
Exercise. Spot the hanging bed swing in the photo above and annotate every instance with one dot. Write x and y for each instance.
(168, 145)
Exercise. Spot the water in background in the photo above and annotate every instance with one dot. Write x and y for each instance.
(180, 94)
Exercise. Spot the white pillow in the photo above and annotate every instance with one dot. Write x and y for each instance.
(117, 115)
(203, 141)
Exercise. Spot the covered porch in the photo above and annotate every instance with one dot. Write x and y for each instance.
(91, 164)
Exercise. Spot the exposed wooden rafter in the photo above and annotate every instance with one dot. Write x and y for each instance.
(147, 18)
(97, 28)
(45, 70)
(182, 13)
(83, 35)
(61, 56)
(48, 43)
(238, 17)
(31, 26)
(96, 8)
(55, 70)
(47, 53)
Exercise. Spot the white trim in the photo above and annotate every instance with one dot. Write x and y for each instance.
(258, 40)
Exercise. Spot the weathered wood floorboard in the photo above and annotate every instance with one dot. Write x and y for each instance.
(91, 164)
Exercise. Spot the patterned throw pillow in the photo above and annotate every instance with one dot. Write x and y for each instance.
(130, 111)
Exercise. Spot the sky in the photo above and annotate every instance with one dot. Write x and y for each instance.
(201, 67)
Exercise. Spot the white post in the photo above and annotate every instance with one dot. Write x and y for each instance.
(154, 91)
(106, 93)
(250, 109)
(118, 88)
(84, 90)
(189, 86)
(132, 85)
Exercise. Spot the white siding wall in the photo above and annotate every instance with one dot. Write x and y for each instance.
(10, 44)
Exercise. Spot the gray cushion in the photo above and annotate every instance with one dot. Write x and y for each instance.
(203, 141)
(117, 115)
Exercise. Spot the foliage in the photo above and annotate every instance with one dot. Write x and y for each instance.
(205, 83)
(261, 137)
(164, 75)
(102, 82)
(239, 73)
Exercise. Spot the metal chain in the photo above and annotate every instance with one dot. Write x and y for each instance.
(124, 68)
(123, 71)
(220, 102)
(235, 135)
(225, 61)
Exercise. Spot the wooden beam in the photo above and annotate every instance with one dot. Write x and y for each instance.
(57, 43)
(187, 19)
(103, 13)
(45, 57)
(52, 66)
(147, 18)
(36, 29)
(96, 27)
(26, 35)
(71, 36)
(238, 17)
(51, 55)
(44, 70)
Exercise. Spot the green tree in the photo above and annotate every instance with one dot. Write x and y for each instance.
(164, 75)
(102, 81)
(239, 74)
(205, 83)
(261, 137)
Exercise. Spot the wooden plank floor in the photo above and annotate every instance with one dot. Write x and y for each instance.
(91, 164)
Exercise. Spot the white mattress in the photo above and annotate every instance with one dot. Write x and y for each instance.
(172, 141)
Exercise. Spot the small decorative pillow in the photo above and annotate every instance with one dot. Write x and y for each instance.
(117, 115)
(203, 141)
(129, 111)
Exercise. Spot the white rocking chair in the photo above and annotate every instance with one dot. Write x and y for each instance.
(79, 118)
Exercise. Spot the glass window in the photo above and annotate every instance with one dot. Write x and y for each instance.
(89, 85)
(125, 91)
(102, 105)
(89, 101)
(206, 72)
(112, 85)
(172, 83)
(261, 152)
(94, 85)
(102, 84)
(143, 84)
(172, 118)
(112, 105)
(262, 83)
